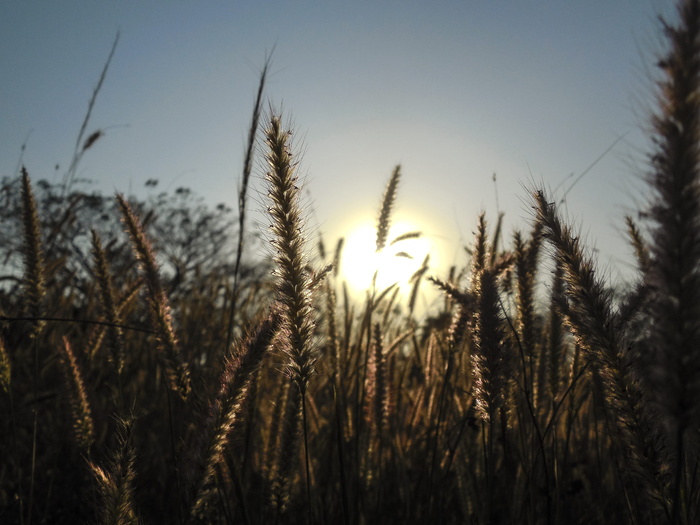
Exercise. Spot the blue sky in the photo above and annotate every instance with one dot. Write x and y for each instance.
(454, 91)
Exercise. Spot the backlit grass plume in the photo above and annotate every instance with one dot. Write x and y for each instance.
(384, 221)
(555, 337)
(377, 398)
(33, 257)
(115, 335)
(526, 255)
(115, 481)
(176, 371)
(491, 357)
(81, 412)
(641, 249)
(225, 410)
(294, 294)
(597, 330)
(293, 279)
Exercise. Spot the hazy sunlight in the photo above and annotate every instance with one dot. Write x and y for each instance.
(396, 263)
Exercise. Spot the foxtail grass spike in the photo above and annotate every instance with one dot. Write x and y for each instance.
(225, 410)
(115, 482)
(480, 252)
(33, 256)
(115, 335)
(491, 357)
(641, 249)
(594, 324)
(83, 424)
(555, 343)
(176, 371)
(294, 294)
(376, 385)
(293, 279)
(384, 220)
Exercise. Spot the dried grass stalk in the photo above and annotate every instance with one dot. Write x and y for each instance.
(596, 328)
(116, 481)
(83, 425)
(33, 257)
(115, 335)
(294, 294)
(225, 410)
(491, 357)
(384, 220)
(176, 371)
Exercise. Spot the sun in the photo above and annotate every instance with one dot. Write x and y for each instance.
(394, 264)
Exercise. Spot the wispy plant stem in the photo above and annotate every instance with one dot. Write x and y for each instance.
(243, 198)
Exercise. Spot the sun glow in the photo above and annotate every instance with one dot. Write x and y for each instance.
(395, 263)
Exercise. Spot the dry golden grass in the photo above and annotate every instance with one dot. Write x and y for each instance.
(295, 405)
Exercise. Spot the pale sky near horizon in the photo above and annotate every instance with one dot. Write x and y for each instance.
(454, 91)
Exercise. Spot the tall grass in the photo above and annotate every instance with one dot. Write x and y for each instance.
(534, 393)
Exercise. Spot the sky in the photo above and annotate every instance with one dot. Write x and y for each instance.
(453, 91)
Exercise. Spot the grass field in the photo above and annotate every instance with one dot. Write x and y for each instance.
(151, 372)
